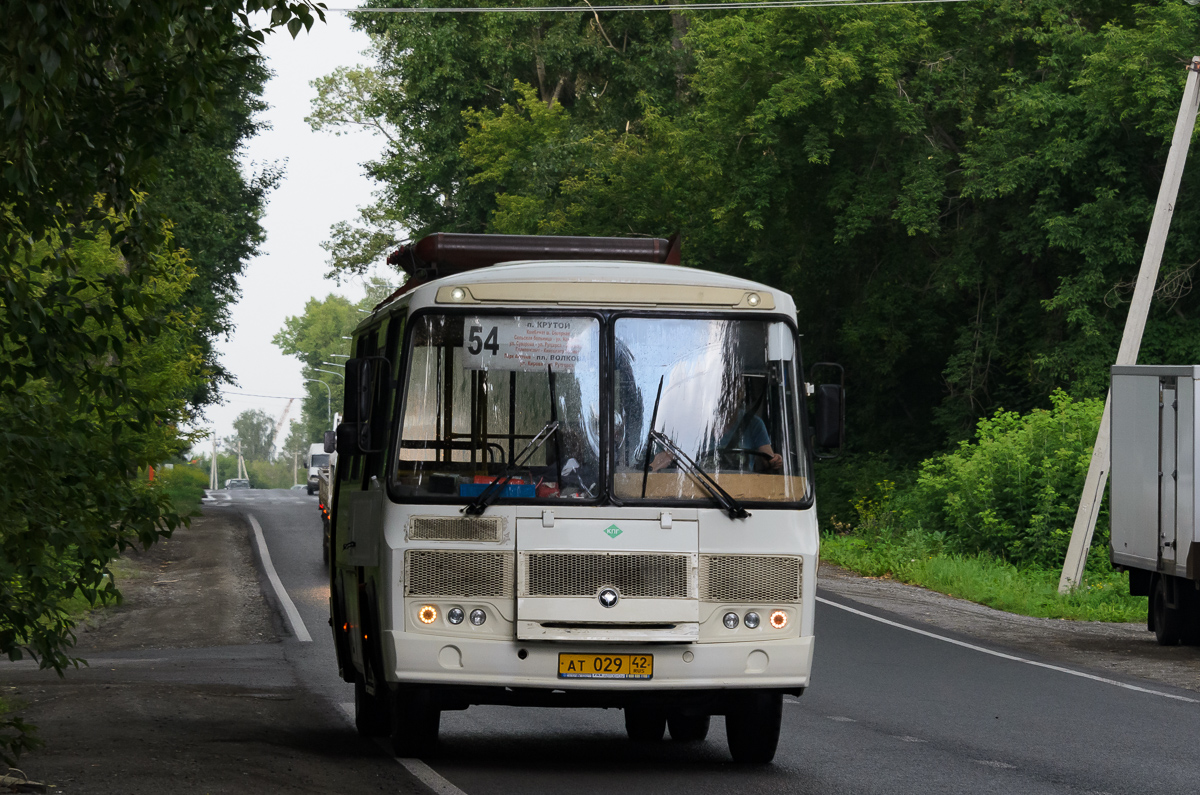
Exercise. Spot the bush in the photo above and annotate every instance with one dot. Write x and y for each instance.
(1013, 492)
(185, 486)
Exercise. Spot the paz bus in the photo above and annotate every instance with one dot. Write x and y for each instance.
(573, 473)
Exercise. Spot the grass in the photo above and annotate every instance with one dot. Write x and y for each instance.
(185, 486)
(917, 559)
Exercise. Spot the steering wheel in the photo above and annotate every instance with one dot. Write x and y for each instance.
(736, 451)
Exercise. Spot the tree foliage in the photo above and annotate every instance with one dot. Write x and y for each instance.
(318, 336)
(1013, 490)
(957, 196)
(75, 491)
(214, 207)
(433, 67)
(99, 354)
(253, 435)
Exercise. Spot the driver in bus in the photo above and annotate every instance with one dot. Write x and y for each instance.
(753, 435)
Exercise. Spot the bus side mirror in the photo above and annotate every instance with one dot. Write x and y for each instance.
(346, 442)
(830, 423)
(330, 441)
(364, 377)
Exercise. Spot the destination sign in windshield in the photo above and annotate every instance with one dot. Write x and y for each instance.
(524, 343)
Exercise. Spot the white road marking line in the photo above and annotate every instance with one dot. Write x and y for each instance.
(421, 771)
(1011, 657)
(429, 777)
(841, 719)
(995, 763)
(289, 607)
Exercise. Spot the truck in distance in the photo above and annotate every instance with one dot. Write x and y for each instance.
(573, 473)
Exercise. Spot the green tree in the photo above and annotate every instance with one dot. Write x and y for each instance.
(215, 208)
(432, 68)
(254, 431)
(91, 95)
(76, 491)
(321, 335)
(956, 196)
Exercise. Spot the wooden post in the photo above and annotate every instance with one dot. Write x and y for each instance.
(1135, 324)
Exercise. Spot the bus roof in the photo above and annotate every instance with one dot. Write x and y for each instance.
(592, 284)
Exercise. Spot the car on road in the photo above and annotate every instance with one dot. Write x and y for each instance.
(237, 483)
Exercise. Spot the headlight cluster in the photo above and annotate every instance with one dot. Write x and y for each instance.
(455, 615)
(778, 620)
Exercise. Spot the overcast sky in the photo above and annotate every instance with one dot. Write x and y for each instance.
(323, 183)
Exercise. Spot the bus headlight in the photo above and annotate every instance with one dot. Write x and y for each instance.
(427, 614)
(730, 620)
(454, 615)
(751, 620)
(478, 617)
(779, 619)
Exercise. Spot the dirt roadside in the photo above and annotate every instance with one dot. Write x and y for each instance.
(189, 689)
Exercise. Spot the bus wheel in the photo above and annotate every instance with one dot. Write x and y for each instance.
(752, 727)
(645, 725)
(688, 728)
(1168, 629)
(371, 715)
(415, 723)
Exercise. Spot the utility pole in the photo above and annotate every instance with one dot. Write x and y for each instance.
(241, 463)
(295, 465)
(1135, 324)
(212, 469)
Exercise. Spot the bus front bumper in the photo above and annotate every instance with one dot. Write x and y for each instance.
(411, 658)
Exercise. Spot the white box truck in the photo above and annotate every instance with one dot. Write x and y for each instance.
(316, 460)
(1153, 497)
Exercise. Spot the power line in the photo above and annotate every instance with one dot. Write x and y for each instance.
(701, 6)
(273, 397)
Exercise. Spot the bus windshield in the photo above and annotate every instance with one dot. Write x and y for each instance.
(698, 398)
(481, 389)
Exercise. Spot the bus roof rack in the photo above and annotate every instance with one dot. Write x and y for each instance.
(447, 253)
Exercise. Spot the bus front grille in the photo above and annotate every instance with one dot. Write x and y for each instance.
(750, 578)
(435, 572)
(455, 528)
(634, 574)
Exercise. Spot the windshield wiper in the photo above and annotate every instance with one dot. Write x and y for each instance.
(478, 505)
(650, 437)
(723, 498)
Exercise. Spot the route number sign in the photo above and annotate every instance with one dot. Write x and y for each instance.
(523, 343)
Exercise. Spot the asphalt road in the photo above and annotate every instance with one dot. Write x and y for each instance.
(890, 710)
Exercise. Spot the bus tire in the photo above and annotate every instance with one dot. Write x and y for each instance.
(752, 726)
(645, 725)
(1168, 623)
(415, 723)
(688, 728)
(371, 715)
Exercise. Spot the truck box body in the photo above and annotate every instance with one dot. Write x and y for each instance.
(1153, 497)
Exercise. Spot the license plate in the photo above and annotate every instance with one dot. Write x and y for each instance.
(605, 666)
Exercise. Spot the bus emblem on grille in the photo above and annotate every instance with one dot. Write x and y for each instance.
(612, 531)
(609, 597)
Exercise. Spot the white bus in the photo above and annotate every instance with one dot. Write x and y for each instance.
(574, 473)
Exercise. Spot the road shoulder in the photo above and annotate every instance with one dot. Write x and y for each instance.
(1118, 651)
